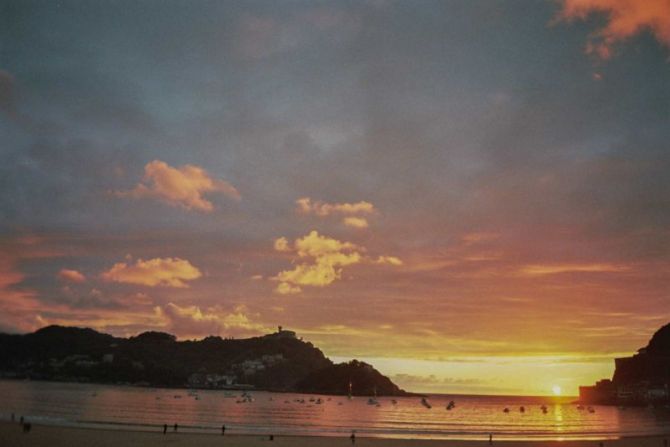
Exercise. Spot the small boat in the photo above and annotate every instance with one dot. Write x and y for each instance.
(425, 403)
(591, 410)
(506, 410)
(580, 407)
(319, 401)
(451, 405)
(373, 400)
(522, 409)
(394, 402)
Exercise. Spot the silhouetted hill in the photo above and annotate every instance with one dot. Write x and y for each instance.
(651, 364)
(660, 341)
(364, 379)
(641, 379)
(276, 361)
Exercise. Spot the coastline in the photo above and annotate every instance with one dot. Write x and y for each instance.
(237, 388)
(68, 436)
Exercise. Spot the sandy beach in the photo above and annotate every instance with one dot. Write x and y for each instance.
(52, 436)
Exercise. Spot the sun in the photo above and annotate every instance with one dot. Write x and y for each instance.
(556, 390)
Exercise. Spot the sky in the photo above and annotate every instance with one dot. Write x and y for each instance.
(471, 195)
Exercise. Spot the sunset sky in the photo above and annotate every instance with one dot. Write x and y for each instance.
(472, 195)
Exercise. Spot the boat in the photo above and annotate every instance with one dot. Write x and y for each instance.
(373, 400)
(506, 410)
(522, 409)
(394, 402)
(591, 410)
(425, 403)
(451, 405)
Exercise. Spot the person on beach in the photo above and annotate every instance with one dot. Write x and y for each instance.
(272, 437)
(12, 417)
(490, 438)
(26, 427)
(223, 430)
(21, 420)
(164, 429)
(175, 428)
(353, 437)
(665, 442)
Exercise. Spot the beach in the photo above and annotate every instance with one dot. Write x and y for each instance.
(11, 434)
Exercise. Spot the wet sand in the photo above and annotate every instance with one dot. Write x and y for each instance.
(52, 436)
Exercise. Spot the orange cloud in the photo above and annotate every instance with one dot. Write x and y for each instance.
(183, 186)
(281, 244)
(392, 260)
(552, 269)
(170, 272)
(624, 19)
(351, 211)
(355, 222)
(306, 206)
(193, 321)
(71, 276)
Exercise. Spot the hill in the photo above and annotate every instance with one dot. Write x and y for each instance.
(641, 379)
(277, 362)
(364, 379)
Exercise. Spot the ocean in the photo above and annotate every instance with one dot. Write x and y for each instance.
(205, 411)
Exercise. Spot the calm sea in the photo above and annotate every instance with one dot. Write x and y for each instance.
(474, 417)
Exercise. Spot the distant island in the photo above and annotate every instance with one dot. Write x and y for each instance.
(274, 362)
(642, 379)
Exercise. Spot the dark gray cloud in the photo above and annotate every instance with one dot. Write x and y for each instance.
(452, 117)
